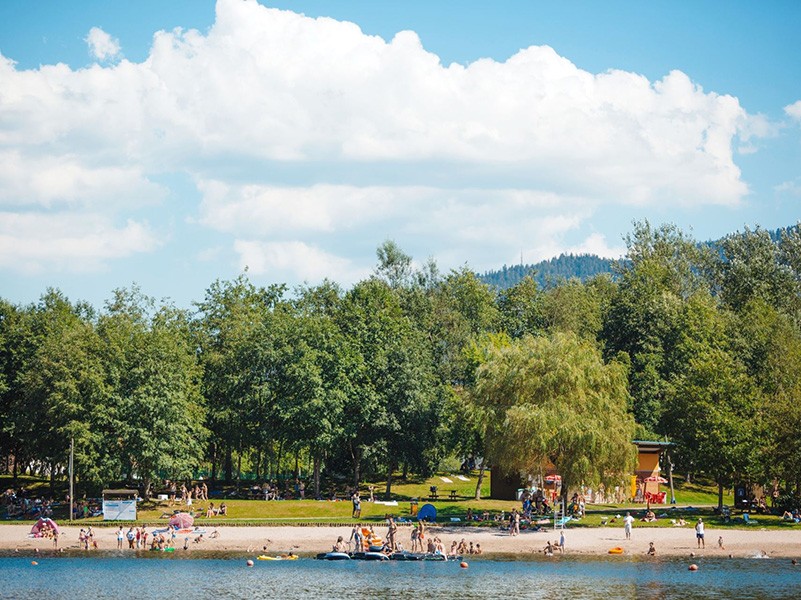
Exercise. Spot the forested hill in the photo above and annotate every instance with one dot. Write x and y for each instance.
(549, 272)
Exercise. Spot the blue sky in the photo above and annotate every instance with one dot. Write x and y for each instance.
(174, 143)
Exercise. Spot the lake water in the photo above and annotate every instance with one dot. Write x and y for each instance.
(74, 577)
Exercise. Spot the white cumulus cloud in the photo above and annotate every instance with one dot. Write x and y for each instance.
(33, 243)
(101, 45)
(308, 135)
(303, 261)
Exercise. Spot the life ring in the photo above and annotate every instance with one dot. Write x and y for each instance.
(616, 550)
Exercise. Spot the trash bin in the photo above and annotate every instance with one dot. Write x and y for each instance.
(413, 508)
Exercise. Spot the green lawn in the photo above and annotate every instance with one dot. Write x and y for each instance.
(701, 498)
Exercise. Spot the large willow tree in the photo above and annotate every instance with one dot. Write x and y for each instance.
(554, 400)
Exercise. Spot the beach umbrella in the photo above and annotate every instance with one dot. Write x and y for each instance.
(553, 478)
(182, 520)
(656, 478)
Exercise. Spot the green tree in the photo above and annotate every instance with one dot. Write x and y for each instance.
(230, 320)
(554, 400)
(521, 308)
(156, 421)
(643, 322)
(752, 266)
(715, 416)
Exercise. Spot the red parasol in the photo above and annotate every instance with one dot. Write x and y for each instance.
(182, 520)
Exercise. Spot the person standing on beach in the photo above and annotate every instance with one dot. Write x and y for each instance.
(357, 505)
(628, 521)
(356, 538)
(699, 533)
(562, 541)
(120, 538)
(393, 528)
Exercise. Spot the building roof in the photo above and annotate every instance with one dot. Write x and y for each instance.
(649, 446)
(120, 493)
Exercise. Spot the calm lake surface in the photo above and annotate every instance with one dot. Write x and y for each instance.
(567, 577)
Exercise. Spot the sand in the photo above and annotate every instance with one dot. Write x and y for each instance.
(671, 541)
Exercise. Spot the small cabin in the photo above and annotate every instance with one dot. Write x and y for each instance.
(645, 481)
(119, 505)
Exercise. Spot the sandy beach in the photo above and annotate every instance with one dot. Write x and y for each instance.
(675, 541)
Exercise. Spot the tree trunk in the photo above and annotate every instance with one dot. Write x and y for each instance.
(238, 470)
(356, 455)
(229, 464)
(278, 460)
(213, 464)
(480, 481)
(317, 461)
(392, 466)
(53, 479)
(258, 464)
(405, 470)
(146, 492)
(720, 496)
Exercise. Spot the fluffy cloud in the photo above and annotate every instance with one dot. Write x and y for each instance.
(101, 45)
(296, 260)
(31, 243)
(303, 134)
(794, 110)
(64, 180)
(500, 223)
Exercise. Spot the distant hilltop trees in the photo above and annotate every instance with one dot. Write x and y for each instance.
(548, 273)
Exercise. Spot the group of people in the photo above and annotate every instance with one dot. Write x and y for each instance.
(135, 536)
(199, 491)
(86, 539)
(420, 542)
(18, 505)
(272, 491)
(48, 530)
(214, 512)
(793, 516)
(534, 503)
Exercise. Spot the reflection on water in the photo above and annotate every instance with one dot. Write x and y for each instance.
(69, 577)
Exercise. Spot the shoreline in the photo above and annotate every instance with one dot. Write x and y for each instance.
(311, 540)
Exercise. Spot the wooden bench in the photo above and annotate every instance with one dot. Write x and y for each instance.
(433, 496)
(452, 495)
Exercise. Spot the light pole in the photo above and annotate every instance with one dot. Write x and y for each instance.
(72, 456)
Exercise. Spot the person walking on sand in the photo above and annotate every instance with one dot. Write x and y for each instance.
(628, 520)
(699, 533)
